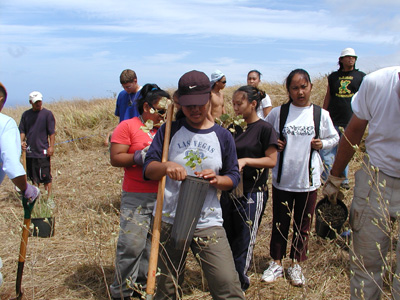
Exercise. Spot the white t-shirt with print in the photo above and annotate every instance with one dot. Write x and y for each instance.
(298, 132)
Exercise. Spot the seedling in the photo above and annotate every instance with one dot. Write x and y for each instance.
(194, 159)
(230, 122)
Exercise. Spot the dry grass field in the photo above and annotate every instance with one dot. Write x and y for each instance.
(77, 263)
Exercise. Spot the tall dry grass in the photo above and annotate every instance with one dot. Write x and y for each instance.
(77, 263)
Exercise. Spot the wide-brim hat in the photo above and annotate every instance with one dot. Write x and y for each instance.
(348, 52)
(194, 88)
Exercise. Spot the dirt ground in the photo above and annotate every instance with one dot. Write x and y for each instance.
(77, 262)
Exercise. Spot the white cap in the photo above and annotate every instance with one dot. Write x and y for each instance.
(348, 52)
(35, 96)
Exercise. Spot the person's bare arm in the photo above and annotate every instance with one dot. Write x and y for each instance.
(52, 139)
(327, 98)
(23, 143)
(157, 170)
(268, 161)
(210, 109)
(20, 182)
(119, 156)
(220, 182)
(267, 110)
(354, 133)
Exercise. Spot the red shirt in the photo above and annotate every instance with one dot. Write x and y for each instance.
(128, 132)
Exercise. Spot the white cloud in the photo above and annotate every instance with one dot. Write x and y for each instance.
(220, 18)
(78, 48)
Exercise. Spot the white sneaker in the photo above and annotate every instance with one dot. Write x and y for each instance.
(296, 275)
(273, 272)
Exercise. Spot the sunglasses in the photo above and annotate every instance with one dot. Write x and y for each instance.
(223, 81)
(159, 111)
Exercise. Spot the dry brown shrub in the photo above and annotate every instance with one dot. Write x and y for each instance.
(77, 263)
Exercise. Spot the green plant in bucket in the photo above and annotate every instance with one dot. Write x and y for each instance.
(43, 208)
(194, 159)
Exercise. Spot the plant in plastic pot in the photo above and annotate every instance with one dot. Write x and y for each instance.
(42, 220)
(330, 218)
(192, 194)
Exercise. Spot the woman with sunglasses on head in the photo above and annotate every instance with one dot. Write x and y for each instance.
(254, 79)
(129, 143)
(256, 148)
(193, 131)
(296, 178)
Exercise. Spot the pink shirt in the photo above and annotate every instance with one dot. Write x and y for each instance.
(128, 132)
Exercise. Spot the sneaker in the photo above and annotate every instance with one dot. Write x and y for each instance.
(273, 272)
(296, 275)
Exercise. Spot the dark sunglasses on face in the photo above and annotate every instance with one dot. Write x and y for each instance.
(159, 111)
(223, 81)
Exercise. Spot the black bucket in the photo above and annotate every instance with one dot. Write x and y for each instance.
(191, 198)
(329, 218)
(43, 227)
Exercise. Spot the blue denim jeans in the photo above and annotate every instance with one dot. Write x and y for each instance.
(328, 158)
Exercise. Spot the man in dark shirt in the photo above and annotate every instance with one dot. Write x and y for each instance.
(342, 85)
(37, 131)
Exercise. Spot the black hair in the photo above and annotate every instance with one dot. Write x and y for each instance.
(289, 79)
(150, 93)
(255, 71)
(252, 93)
(3, 93)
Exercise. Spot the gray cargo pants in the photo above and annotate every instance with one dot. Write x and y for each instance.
(133, 247)
(374, 208)
(211, 248)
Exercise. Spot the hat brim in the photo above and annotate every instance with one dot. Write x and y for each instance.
(348, 55)
(187, 100)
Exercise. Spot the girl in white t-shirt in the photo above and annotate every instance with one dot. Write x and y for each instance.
(296, 189)
(254, 79)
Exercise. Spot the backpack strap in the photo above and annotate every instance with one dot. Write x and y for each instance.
(317, 123)
(282, 120)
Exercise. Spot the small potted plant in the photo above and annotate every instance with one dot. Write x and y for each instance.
(42, 220)
(330, 218)
(193, 192)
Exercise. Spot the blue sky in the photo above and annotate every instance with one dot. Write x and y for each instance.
(69, 49)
